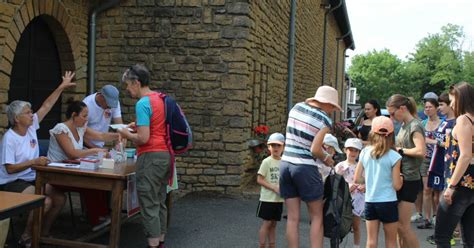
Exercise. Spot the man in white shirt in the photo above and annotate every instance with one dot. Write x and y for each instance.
(104, 106)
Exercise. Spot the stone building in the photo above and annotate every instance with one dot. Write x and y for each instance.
(225, 61)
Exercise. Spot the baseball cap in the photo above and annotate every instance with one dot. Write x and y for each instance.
(430, 95)
(354, 143)
(382, 125)
(111, 95)
(276, 138)
(330, 140)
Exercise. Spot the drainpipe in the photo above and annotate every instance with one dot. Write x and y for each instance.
(91, 42)
(291, 56)
(338, 40)
(326, 14)
(344, 92)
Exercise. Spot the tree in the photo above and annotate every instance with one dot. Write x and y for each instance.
(468, 67)
(438, 62)
(378, 75)
(438, 58)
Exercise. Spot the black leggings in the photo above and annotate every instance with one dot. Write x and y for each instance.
(448, 216)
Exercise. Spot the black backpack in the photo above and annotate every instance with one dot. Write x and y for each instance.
(337, 210)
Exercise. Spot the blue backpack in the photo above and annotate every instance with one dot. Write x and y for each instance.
(178, 132)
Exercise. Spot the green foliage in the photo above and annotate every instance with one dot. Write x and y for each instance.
(438, 62)
(379, 74)
(468, 67)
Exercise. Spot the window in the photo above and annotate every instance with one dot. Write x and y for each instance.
(352, 95)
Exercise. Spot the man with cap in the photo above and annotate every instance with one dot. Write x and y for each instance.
(104, 106)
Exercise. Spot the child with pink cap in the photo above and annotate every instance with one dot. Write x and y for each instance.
(379, 169)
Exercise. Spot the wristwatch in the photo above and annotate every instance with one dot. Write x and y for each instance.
(401, 152)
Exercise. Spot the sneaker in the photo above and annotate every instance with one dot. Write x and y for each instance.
(431, 240)
(425, 225)
(106, 221)
(417, 217)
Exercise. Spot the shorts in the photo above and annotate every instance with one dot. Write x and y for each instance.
(436, 182)
(17, 186)
(302, 181)
(409, 191)
(425, 166)
(386, 212)
(270, 210)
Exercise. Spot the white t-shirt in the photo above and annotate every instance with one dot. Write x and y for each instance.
(17, 149)
(99, 119)
(55, 152)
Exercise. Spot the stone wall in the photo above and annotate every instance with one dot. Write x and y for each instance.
(269, 58)
(225, 61)
(197, 51)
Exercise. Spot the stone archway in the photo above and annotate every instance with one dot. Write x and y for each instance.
(70, 44)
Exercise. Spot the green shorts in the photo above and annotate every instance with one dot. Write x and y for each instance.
(153, 171)
(424, 168)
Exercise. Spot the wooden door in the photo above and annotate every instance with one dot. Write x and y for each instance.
(36, 72)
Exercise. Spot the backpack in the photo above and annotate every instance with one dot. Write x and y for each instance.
(178, 132)
(337, 209)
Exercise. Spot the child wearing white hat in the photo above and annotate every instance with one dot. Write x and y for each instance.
(352, 148)
(270, 206)
(331, 146)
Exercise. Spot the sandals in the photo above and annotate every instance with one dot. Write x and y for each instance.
(25, 242)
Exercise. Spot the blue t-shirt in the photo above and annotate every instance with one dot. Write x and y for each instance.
(378, 175)
(144, 111)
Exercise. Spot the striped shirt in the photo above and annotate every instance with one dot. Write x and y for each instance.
(304, 122)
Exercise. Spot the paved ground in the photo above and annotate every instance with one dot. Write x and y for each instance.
(202, 220)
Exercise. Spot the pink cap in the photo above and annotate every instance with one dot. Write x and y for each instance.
(382, 125)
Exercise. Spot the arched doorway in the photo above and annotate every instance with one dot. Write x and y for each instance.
(36, 71)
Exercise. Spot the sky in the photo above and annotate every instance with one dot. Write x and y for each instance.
(398, 25)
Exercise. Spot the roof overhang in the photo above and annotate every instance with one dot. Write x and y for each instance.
(342, 19)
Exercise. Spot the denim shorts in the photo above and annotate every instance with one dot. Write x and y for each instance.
(302, 181)
(386, 212)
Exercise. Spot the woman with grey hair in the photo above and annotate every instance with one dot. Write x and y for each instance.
(19, 151)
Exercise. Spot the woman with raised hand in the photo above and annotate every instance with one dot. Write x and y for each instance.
(19, 152)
